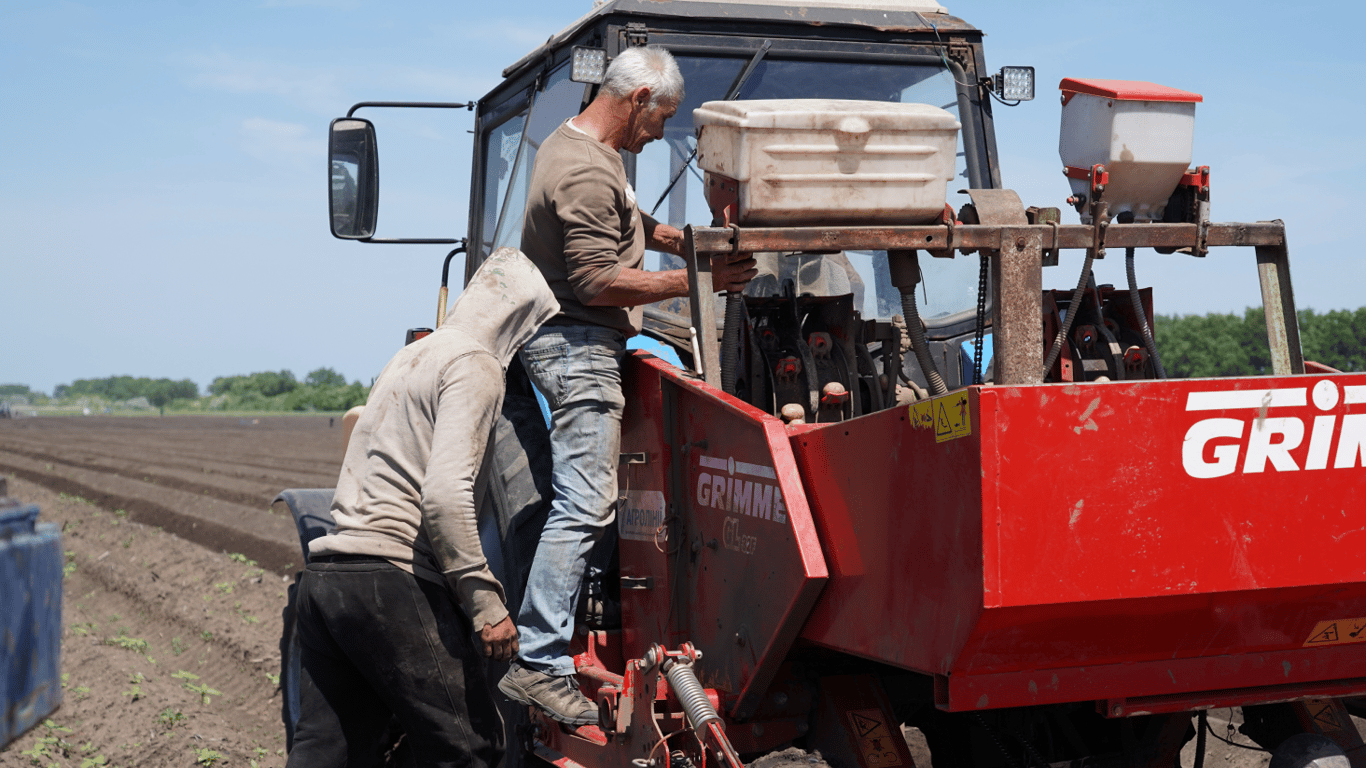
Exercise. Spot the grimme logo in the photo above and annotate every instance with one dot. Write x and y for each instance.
(728, 491)
(1271, 435)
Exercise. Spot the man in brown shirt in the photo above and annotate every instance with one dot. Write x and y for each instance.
(585, 232)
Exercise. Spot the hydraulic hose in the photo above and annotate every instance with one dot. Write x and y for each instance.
(1072, 307)
(922, 348)
(1148, 339)
(730, 341)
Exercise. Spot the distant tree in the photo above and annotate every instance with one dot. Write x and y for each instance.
(265, 383)
(1198, 346)
(325, 377)
(1336, 338)
(17, 389)
(224, 384)
(270, 383)
(159, 394)
(1229, 345)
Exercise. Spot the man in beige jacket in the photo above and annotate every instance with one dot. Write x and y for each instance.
(393, 598)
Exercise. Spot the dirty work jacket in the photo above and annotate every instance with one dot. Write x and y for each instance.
(416, 460)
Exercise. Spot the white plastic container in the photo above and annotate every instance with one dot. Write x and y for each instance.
(1141, 132)
(830, 161)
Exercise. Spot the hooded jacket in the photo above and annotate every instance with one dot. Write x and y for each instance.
(416, 464)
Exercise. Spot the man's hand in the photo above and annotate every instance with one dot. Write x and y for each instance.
(500, 641)
(732, 275)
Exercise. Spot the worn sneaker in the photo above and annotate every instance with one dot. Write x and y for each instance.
(558, 697)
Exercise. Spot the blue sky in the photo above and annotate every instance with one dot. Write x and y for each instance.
(163, 198)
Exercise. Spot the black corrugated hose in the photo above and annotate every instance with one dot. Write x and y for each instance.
(730, 341)
(1141, 315)
(1072, 307)
(918, 343)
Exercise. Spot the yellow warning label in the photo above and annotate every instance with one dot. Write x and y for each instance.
(874, 738)
(949, 416)
(1324, 715)
(1338, 632)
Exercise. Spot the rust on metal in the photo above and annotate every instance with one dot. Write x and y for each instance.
(1017, 280)
(702, 301)
(1278, 300)
(982, 236)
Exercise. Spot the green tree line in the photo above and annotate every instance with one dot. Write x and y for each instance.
(1200, 346)
(322, 390)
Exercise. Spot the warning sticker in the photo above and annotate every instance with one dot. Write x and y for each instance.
(949, 416)
(1324, 715)
(874, 738)
(1338, 632)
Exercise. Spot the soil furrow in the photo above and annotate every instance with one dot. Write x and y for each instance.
(271, 542)
(261, 497)
(169, 650)
(278, 471)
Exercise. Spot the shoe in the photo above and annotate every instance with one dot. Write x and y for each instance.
(558, 697)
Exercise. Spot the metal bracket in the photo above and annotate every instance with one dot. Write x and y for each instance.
(636, 35)
(960, 52)
(635, 458)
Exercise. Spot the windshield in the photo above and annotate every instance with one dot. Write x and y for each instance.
(950, 285)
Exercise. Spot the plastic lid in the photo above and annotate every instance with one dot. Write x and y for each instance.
(1125, 90)
(823, 114)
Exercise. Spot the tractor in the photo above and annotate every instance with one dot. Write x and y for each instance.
(897, 488)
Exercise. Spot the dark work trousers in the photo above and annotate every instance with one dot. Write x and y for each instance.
(380, 643)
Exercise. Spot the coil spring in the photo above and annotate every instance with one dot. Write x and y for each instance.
(693, 696)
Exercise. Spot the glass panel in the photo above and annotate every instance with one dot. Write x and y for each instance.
(560, 101)
(344, 201)
(950, 285)
(500, 154)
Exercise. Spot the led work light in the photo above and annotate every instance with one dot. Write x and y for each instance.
(1015, 83)
(589, 65)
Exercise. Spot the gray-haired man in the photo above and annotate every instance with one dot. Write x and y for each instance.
(585, 232)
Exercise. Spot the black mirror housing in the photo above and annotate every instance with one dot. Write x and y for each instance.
(353, 178)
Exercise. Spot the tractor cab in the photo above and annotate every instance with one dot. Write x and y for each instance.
(904, 53)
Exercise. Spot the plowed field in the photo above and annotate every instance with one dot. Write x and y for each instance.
(177, 577)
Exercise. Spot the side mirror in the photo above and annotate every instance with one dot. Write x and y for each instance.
(353, 176)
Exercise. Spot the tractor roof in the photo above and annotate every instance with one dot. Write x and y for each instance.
(883, 15)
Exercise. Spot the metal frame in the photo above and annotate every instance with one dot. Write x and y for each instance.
(1017, 258)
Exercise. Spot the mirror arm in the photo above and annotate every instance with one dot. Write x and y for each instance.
(408, 240)
(469, 105)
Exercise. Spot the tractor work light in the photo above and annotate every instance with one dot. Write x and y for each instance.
(1015, 83)
(589, 65)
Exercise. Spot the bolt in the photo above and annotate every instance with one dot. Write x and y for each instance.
(1019, 244)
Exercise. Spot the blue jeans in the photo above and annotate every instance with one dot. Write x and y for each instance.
(578, 370)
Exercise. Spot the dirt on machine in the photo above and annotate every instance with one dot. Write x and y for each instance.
(899, 482)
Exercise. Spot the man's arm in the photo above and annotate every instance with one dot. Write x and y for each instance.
(465, 415)
(633, 287)
(662, 237)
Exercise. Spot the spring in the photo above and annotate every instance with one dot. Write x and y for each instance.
(690, 692)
